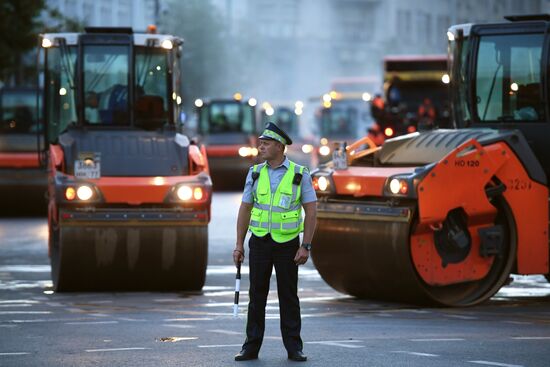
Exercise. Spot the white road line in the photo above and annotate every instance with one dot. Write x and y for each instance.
(190, 319)
(462, 317)
(228, 332)
(18, 301)
(220, 345)
(16, 305)
(339, 343)
(91, 322)
(416, 353)
(489, 363)
(437, 340)
(517, 322)
(25, 312)
(531, 337)
(25, 268)
(179, 326)
(14, 353)
(114, 349)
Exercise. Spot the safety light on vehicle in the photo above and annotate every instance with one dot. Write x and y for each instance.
(252, 102)
(388, 132)
(184, 193)
(46, 43)
(197, 193)
(70, 193)
(84, 193)
(198, 102)
(307, 148)
(322, 183)
(398, 186)
(324, 150)
(446, 79)
(167, 44)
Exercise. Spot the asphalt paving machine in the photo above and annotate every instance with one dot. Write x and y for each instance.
(129, 195)
(445, 216)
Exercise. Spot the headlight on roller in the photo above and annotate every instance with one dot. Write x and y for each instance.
(184, 193)
(84, 193)
(307, 148)
(322, 183)
(324, 150)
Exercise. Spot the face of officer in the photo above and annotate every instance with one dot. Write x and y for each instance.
(270, 150)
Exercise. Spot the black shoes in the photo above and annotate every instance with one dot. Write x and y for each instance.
(245, 355)
(297, 356)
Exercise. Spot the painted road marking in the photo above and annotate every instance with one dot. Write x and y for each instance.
(339, 343)
(220, 346)
(25, 268)
(14, 353)
(190, 319)
(25, 312)
(114, 349)
(437, 340)
(462, 317)
(518, 322)
(531, 337)
(416, 353)
(179, 326)
(91, 322)
(228, 332)
(489, 363)
(24, 301)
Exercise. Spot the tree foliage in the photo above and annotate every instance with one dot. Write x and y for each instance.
(19, 25)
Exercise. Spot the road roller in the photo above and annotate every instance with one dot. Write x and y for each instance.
(229, 130)
(23, 180)
(443, 217)
(129, 195)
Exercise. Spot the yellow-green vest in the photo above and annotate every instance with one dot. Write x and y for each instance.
(279, 213)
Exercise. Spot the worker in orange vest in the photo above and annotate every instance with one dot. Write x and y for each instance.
(426, 114)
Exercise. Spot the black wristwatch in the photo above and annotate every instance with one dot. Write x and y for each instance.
(307, 246)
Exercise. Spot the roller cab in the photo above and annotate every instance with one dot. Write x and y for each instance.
(129, 195)
(445, 216)
(228, 129)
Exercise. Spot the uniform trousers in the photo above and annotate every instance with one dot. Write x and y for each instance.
(264, 254)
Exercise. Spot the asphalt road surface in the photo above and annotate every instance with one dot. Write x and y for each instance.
(41, 328)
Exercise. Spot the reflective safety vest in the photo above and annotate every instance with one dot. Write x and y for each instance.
(278, 213)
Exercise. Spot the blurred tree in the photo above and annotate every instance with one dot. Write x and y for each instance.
(204, 61)
(20, 23)
(18, 28)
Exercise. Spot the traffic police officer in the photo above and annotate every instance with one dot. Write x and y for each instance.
(271, 208)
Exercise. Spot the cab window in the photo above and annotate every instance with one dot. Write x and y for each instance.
(508, 78)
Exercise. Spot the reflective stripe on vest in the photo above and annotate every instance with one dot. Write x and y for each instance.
(278, 213)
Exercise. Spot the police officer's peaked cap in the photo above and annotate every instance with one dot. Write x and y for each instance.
(273, 132)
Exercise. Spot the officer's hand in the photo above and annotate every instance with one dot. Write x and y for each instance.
(238, 256)
(301, 256)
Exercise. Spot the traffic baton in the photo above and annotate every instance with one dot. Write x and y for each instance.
(237, 289)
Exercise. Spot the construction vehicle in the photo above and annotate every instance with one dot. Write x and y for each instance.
(343, 114)
(129, 196)
(415, 95)
(228, 128)
(287, 116)
(445, 216)
(23, 182)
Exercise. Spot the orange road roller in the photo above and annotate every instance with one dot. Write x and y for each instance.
(444, 217)
(129, 195)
